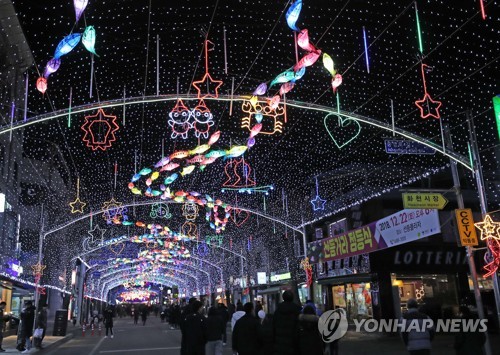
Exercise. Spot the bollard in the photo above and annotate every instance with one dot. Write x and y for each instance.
(100, 328)
(92, 328)
(83, 329)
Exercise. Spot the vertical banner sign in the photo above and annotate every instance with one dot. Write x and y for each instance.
(466, 229)
(496, 109)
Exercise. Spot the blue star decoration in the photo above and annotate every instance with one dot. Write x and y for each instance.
(318, 203)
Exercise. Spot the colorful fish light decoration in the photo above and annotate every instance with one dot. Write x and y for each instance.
(328, 64)
(336, 82)
(292, 15)
(88, 39)
(51, 67)
(80, 6)
(260, 90)
(41, 84)
(67, 44)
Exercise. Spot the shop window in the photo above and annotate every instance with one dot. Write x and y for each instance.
(355, 298)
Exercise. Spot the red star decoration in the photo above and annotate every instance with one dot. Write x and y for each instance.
(95, 138)
(429, 105)
(199, 84)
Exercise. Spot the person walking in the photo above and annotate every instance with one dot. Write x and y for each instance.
(246, 333)
(27, 321)
(108, 321)
(416, 335)
(285, 322)
(310, 341)
(214, 332)
(135, 314)
(469, 342)
(224, 314)
(193, 331)
(184, 314)
(3, 319)
(266, 335)
(41, 323)
(144, 315)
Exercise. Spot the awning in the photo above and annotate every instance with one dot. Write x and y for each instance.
(353, 278)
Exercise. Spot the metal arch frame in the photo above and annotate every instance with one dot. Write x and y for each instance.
(126, 240)
(306, 106)
(211, 264)
(106, 285)
(164, 266)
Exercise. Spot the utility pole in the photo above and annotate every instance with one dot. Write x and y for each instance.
(478, 172)
(470, 250)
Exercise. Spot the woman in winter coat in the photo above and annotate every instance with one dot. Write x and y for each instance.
(310, 342)
(266, 336)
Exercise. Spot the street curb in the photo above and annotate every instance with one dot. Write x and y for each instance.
(58, 342)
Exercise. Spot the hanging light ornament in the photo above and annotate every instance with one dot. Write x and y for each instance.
(88, 39)
(328, 64)
(336, 82)
(51, 67)
(41, 84)
(292, 15)
(67, 44)
(260, 90)
(80, 6)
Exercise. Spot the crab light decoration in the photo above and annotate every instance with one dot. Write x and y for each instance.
(80, 6)
(67, 44)
(41, 84)
(88, 39)
(270, 118)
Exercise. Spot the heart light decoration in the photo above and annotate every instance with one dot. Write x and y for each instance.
(239, 217)
(345, 130)
(117, 248)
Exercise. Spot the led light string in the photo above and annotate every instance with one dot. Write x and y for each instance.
(203, 47)
(263, 46)
(379, 91)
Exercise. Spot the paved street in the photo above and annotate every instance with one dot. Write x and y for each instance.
(157, 338)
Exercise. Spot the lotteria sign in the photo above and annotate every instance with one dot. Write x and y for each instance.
(399, 228)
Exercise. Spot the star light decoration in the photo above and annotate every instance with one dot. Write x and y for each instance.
(490, 231)
(203, 84)
(428, 107)
(97, 234)
(114, 211)
(38, 269)
(77, 205)
(488, 228)
(308, 269)
(318, 203)
(99, 130)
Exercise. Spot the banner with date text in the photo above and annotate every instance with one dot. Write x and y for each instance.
(399, 228)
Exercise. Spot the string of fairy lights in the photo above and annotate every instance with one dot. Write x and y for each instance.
(374, 46)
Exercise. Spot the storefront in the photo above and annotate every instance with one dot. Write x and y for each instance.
(436, 276)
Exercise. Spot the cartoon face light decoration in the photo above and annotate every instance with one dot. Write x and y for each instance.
(203, 120)
(179, 120)
(271, 119)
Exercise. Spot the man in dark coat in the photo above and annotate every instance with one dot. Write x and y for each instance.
(224, 314)
(285, 322)
(41, 322)
(186, 312)
(469, 342)
(214, 330)
(310, 341)
(246, 333)
(3, 318)
(27, 321)
(193, 331)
